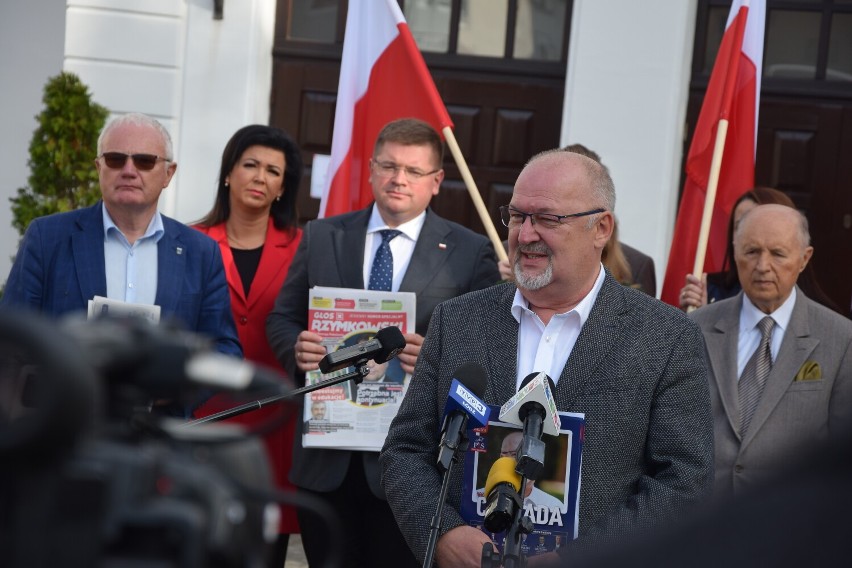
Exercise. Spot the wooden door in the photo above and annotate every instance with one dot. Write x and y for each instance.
(804, 141)
(505, 109)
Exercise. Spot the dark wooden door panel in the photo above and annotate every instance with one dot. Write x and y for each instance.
(800, 149)
(835, 264)
(304, 95)
(500, 123)
(801, 146)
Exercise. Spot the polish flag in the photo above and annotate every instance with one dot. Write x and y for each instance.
(382, 78)
(733, 94)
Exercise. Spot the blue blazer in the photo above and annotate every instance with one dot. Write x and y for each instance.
(60, 266)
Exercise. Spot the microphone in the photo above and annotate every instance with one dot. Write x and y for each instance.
(533, 408)
(502, 488)
(463, 403)
(386, 345)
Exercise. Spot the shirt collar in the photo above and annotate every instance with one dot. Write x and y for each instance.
(155, 226)
(410, 229)
(582, 309)
(750, 315)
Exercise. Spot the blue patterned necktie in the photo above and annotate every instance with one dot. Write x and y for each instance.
(754, 375)
(381, 275)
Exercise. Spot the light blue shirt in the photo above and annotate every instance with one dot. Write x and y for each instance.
(749, 336)
(131, 270)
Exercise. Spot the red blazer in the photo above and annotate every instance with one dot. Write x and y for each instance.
(250, 318)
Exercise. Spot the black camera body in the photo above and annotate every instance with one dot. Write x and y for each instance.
(80, 486)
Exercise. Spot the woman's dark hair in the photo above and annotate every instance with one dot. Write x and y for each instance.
(283, 211)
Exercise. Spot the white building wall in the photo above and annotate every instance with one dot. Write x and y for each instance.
(226, 85)
(202, 78)
(625, 97)
(32, 33)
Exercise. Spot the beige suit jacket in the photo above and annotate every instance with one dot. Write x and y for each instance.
(807, 397)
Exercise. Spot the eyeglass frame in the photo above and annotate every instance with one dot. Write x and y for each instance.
(133, 158)
(505, 210)
(417, 174)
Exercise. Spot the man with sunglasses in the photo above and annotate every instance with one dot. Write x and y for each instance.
(632, 365)
(122, 248)
(430, 256)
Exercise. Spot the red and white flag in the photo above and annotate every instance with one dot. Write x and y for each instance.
(382, 78)
(732, 94)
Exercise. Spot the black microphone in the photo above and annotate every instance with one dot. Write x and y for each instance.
(386, 345)
(533, 408)
(463, 402)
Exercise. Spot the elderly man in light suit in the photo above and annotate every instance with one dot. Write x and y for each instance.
(806, 393)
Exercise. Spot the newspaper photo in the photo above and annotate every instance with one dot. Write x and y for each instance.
(551, 502)
(347, 415)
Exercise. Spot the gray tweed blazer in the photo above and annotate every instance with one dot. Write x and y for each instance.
(638, 373)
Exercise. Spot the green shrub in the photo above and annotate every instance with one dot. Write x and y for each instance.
(62, 153)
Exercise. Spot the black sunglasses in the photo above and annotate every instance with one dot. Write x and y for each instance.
(142, 162)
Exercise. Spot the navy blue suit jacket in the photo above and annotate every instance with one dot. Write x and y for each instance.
(448, 260)
(60, 266)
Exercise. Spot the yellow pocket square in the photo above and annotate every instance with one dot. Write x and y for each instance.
(809, 371)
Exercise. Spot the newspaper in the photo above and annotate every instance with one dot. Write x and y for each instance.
(551, 502)
(100, 306)
(349, 416)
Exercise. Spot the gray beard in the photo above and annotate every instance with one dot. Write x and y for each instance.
(533, 282)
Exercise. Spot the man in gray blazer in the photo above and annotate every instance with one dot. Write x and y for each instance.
(435, 258)
(807, 395)
(633, 365)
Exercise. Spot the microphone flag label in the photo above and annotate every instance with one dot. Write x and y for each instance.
(537, 390)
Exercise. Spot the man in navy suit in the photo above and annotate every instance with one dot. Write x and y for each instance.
(122, 248)
(432, 257)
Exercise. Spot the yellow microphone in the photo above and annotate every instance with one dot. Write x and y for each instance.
(501, 492)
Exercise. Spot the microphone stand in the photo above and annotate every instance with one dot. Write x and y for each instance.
(357, 375)
(435, 526)
(521, 525)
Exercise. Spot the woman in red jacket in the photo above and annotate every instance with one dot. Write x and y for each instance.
(255, 223)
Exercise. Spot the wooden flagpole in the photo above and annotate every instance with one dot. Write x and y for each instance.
(710, 200)
(474, 193)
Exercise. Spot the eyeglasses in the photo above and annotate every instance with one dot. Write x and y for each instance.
(513, 218)
(389, 169)
(142, 162)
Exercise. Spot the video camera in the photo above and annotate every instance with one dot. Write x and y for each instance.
(89, 476)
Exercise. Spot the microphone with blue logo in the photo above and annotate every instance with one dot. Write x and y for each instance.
(464, 404)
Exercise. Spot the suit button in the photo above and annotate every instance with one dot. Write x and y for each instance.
(738, 468)
(243, 320)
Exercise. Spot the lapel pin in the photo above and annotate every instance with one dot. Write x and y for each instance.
(442, 246)
(179, 250)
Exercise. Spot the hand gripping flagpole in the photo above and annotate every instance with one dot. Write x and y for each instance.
(718, 152)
